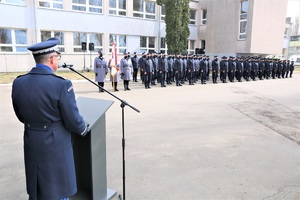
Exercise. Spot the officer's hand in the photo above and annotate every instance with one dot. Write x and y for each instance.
(96, 74)
(87, 130)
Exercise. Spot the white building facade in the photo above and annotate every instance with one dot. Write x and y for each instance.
(223, 27)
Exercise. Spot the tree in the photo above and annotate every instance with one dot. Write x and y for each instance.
(177, 24)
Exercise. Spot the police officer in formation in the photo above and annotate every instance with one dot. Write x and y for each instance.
(126, 70)
(135, 66)
(162, 68)
(148, 71)
(223, 69)
(100, 70)
(215, 69)
(154, 60)
(141, 61)
(178, 67)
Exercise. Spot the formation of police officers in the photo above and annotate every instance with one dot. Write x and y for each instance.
(168, 69)
(180, 69)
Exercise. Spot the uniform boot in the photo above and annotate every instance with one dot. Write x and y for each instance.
(127, 85)
(116, 85)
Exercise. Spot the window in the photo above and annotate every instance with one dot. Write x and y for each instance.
(191, 47)
(94, 6)
(163, 13)
(57, 4)
(243, 19)
(95, 38)
(13, 40)
(120, 41)
(147, 44)
(78, 38)
(19, 2)
(204, 16)
(202, 44)
(48, 34)
(117, 7)
(144, 9)
(193, 17)
(163, 45)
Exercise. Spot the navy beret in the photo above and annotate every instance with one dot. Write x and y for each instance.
(46, 47)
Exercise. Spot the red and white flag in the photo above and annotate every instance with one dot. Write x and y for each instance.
(114, 62)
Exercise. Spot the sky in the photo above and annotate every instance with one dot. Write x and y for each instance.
(293, 8)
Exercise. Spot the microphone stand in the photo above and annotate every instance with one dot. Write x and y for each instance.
(123, 104)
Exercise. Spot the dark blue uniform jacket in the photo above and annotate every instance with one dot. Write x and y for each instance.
(46, 104)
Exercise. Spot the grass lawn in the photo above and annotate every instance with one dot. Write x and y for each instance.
(10, 76)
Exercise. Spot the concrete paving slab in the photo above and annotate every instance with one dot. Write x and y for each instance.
(214, 141)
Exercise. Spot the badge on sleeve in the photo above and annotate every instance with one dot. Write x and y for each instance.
(70, 88)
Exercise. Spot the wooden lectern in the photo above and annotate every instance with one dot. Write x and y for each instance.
(90, 152)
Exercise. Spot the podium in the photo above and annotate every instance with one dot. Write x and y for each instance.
(90, 152)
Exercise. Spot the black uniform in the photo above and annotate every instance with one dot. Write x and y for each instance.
(215, 69)
(135, 66)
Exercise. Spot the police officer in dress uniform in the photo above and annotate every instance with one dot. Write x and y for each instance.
(190, 69)
(203, 68)
(46, 105)
(170, 69)
(141, 64)
(287, 68)
(163, 69)
(100, 69)
(148, 71)
(231, 68)
(215, 68)
(223, 69)
(178, 65)
(126, 70)
(292, 67)
(134, 61)
(208, 67)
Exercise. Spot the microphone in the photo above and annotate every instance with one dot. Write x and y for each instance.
(65, 65)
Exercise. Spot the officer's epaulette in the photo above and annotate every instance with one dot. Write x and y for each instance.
(21, 75)
(58, 76)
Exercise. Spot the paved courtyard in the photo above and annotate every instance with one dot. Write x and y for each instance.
(203, 142)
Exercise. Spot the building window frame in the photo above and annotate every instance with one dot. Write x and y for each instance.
(243, 19)
(147, 44)
(53, 4)
(79, 37)
(143, 10)
(16, 2)
(115, 7)
(162, 12)
(45, 34)
(120, 41)
(15, 40)
(163, 45)
(191, 46)
(203, 16)
(193, 16)
(85, 6)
